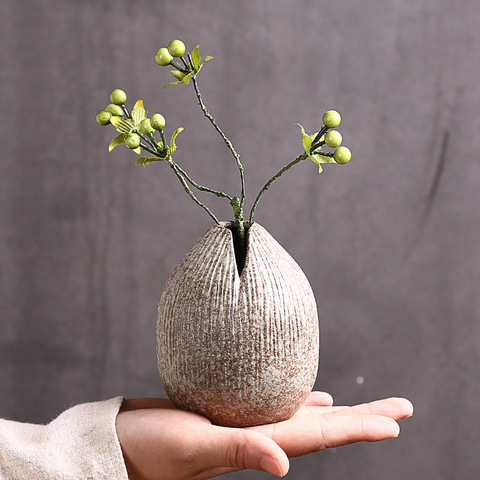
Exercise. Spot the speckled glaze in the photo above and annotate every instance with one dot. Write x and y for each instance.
(243, 349)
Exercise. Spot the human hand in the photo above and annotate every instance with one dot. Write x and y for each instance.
(161, 442)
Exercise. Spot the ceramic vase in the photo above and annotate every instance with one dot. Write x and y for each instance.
(239, 347)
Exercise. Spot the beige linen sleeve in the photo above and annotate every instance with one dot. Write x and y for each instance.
(80, 444)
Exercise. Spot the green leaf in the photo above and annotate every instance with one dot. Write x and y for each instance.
(147, 159)
(175, 135)
(307, 143)
(178, 74)
(206, 59)
(123, 125)
(169, 84)
(318, 161)
(173, 147)
(196, 58)
(118, 140)
(138, 112)
(142, 161)
(186, 78)
(138, 150)
(323, 158)
(306, 140)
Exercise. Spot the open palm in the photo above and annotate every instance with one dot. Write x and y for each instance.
(161, 442)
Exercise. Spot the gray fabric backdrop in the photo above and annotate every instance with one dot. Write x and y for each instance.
(390, 242)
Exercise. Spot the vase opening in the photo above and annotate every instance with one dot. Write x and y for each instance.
(239, 245)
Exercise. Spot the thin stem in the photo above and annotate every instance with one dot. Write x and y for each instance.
(125, 111)
(241, 232)
(148, 140)
(189, 191)
(145, 147)
(163, 139)
(178, 67)
(322, 131)
(301, 157)
(323, 153)
(225, 139)
(200, 187)
(190, 61)
(157, 146)
(314, 146)
(187, 68)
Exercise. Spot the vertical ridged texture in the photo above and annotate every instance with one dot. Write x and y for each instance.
(240, 349)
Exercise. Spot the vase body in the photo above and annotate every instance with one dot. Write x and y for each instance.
(240, 349)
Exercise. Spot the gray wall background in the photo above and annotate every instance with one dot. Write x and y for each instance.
(390, 242)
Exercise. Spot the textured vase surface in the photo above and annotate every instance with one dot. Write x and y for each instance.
(240, 349)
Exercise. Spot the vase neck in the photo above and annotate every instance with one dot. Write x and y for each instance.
(240, 243)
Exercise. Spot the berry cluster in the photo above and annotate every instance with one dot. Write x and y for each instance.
(139, 132)
(164, 56)
(136, 130)
(333, 138)
(190, 65)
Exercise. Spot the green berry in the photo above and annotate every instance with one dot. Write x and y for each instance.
(157, 121)
(145, 128)
(178, 75)
(342, 155)
(333, 138)
(176, 48)
(103, 117)
(132, 140)
(118, 97)
(114, 109)
(163, 57)
(331, 119)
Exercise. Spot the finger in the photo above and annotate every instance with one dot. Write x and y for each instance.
(236, 449)
(309, 433)
(396, 408)
(322, 399)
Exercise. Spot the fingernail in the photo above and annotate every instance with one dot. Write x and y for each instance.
(270, 465)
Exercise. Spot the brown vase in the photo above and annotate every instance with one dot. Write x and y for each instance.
(239, 348)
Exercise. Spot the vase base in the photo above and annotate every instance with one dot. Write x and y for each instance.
(243, 414)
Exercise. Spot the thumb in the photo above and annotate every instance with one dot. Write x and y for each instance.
(236, 448)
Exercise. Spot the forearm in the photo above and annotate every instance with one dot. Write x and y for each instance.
(79, 444)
